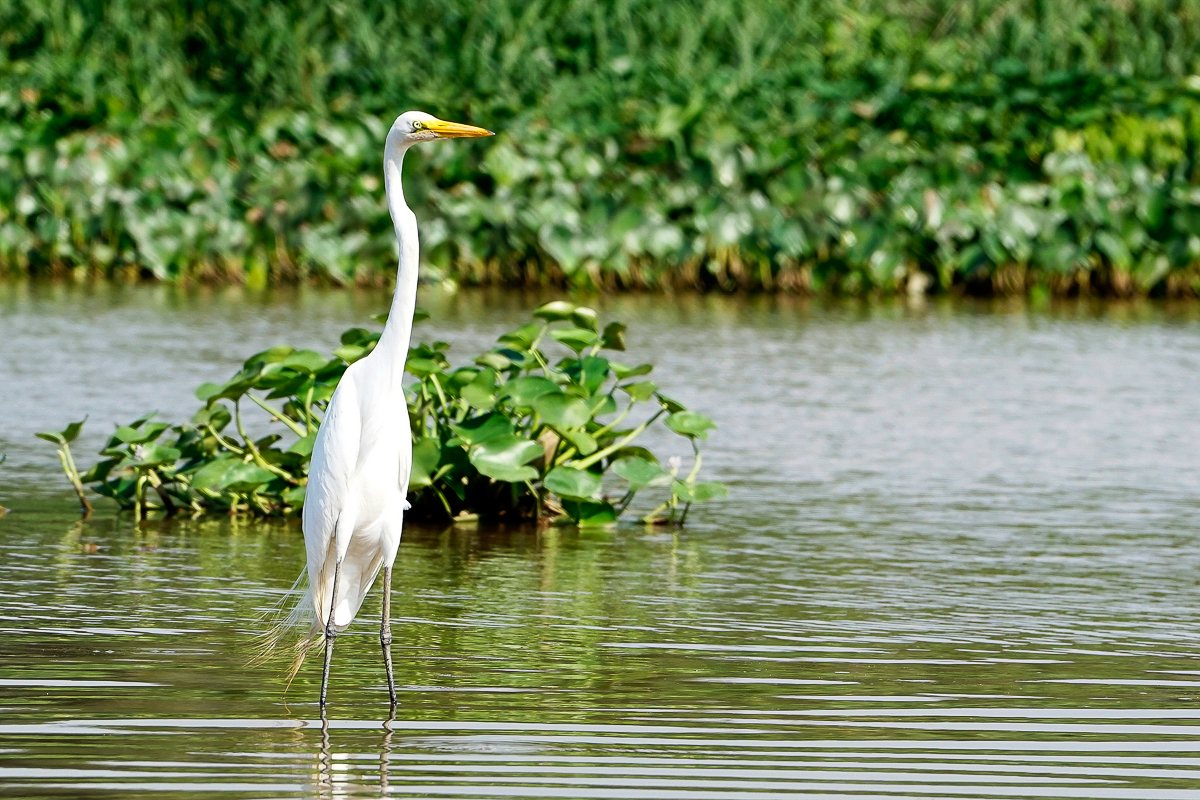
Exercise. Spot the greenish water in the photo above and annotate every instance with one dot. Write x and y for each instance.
(960, 560)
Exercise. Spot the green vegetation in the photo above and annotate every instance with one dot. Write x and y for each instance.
(520, 433)
(865, 146)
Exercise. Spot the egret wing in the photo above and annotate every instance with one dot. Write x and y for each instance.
(334, 456)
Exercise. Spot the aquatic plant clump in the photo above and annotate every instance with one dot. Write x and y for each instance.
(542, 426)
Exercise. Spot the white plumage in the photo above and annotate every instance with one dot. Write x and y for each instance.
(358, 477)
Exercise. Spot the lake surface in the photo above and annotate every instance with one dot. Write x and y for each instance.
(960, 559)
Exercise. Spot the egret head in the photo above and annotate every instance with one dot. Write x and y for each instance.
(417, 126)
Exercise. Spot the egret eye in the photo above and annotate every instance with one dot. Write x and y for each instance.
(418, 125)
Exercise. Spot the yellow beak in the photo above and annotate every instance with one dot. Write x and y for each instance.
(454, 130)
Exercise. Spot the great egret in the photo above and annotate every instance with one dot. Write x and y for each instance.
(358, 476)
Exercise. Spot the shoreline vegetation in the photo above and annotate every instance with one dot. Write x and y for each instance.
(844, 148)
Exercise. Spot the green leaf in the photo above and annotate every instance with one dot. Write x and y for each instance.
(154, 454)
(304, 445)
(583, 442)
(481, 429)
(641, 391)
(525, 390)
(613, 337)
(227, 473)
(426, 453)
(555, 310)
(622, 372)
(207, 391)
(294, 496)
(585, 318)
(502, 457)
(690, 424)
(571, 482)
(523, 337)
(639, 472)
(422, 367)
(67, 434)
(138, 436)
(562, 411)
(670, 405)
(480, 392)
(593, 371)
(273, 356)
(708, 490)
(575, 338)
(590, 513)
(494, 360)
(351, 352)
(70, 432)
(307, 361)
(602, 404)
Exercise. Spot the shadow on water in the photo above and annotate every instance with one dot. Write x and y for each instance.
(959, 560)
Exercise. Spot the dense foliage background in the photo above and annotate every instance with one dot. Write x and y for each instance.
(846, 145)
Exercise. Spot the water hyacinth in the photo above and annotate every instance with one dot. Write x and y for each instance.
(837, 147)
(543, 426)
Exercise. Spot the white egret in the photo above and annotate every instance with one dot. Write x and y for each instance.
(358, 476)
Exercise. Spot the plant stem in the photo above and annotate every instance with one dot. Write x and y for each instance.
(615, 446)
(228, 445)
(281, 417)
(68, 464)
(255, 455)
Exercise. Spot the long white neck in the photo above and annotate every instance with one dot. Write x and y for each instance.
(393, 343)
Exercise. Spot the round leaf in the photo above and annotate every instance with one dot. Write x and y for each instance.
(502, 458)
(562, 410)
(585, 318)
(575, 338)
(525, 390)
(555, 310)
(571, 482)
(690, 424)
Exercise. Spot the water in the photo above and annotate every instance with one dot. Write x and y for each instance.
(960, 560)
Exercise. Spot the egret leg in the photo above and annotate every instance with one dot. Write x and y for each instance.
(385, 633)
(330, 633)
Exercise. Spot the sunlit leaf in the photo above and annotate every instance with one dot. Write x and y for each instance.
(481, 429)
(494, 360)
(585, 318)
(139, 435)
(571, 482)
(480, 392)
(641, 391)
(582, 441)
(422, 367)
(308, 361)
(555, 310)
(562, 410)
(522, 338)
(155, 454)
(304, 445)
(575, 338)
(503, 457)
(523, 391)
